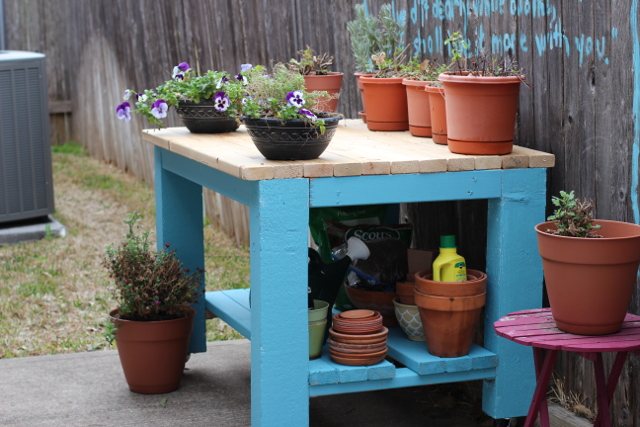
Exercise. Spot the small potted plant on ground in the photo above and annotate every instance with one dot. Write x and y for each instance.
(590, 277)
(317, 77)
(208, 103)
(282, 118)
(154, 319)
(482, 101)
(419, 76)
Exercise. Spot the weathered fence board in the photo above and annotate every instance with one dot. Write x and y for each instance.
(581, 59)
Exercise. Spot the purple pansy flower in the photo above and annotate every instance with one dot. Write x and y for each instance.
(159, 109)
(179, 70)
(221, 101)
(295, 98)
(245, 67)
(222, 80)
(127, 94)
(123, 111)
(309, 114)
(242, 78)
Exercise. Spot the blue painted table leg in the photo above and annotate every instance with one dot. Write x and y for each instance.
(514, 269)
(179, 223)
(279, 217)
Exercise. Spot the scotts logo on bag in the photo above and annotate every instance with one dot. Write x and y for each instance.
(373, 234)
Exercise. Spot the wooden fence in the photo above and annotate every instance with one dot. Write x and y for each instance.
(581, 58)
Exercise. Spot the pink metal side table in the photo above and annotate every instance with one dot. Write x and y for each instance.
(537, 329)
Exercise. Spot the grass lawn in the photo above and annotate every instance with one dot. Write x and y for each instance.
(54, 293)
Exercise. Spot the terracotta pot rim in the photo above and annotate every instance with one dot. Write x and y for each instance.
(456, 78)
(191, 312)
(411, 82)
(331, 73)
(381, 80)
(540, 229)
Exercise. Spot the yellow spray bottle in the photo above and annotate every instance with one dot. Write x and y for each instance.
(449, 266)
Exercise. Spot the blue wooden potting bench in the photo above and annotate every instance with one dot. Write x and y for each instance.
(359, 168)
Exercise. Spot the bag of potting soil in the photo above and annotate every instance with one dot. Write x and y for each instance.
(348, 215)
(387, 263)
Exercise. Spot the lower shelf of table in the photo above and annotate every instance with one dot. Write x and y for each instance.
(415, 366)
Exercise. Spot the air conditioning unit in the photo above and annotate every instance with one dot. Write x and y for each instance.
(26, 178)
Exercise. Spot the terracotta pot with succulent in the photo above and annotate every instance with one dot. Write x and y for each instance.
(208, 103)
(317, 77)
(589, 277)
(154, 319)
(482, 101)
(282, 117)
(371, 35)
(419, 76)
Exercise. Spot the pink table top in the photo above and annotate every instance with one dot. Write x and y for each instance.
(536, 328)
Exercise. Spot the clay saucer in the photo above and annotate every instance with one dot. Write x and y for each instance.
(349, 351)
(359, 331)
(371, 348)
(357, 361)
(359, 339)
(376, 317)
(357, 314)
(370, 355)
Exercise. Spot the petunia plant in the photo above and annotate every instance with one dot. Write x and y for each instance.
(281, 95)
(225, 90)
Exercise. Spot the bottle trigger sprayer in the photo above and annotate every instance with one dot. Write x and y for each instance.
(449, 266)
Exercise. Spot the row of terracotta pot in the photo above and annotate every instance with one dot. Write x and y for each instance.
(478, 116)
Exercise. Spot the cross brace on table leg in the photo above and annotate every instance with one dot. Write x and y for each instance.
(544, 366)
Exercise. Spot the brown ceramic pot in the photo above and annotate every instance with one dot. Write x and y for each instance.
(481, 112)
(437, 107)
(374, 300)
(405, 292)
(386, 104)
(331, 83)
(449, 322)
(476, 283)
(153, 354)
(418, 106)
(590, 281)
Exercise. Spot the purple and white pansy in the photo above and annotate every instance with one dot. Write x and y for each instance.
(179, 70)
(309, 114)
(295, 98)
(222, 81)
(123, 111)
(221, 101)
(159, 109)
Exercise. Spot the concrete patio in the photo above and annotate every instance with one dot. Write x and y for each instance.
(89, 389)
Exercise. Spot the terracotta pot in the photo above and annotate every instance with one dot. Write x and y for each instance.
(405, 292)
(437, 106)
(153, 354)
(386, 104)
(331, 83)
(418, 106)
(449, 322)
(476, 283)
(363, 113)
(481, 112)
(374, 300)
(590, 281)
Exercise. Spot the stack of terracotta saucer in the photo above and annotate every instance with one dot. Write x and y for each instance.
(358, 338)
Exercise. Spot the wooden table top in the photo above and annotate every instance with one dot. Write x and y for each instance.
(536, 328)
(353, 151)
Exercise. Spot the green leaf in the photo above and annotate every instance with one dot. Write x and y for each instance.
(163, 402)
